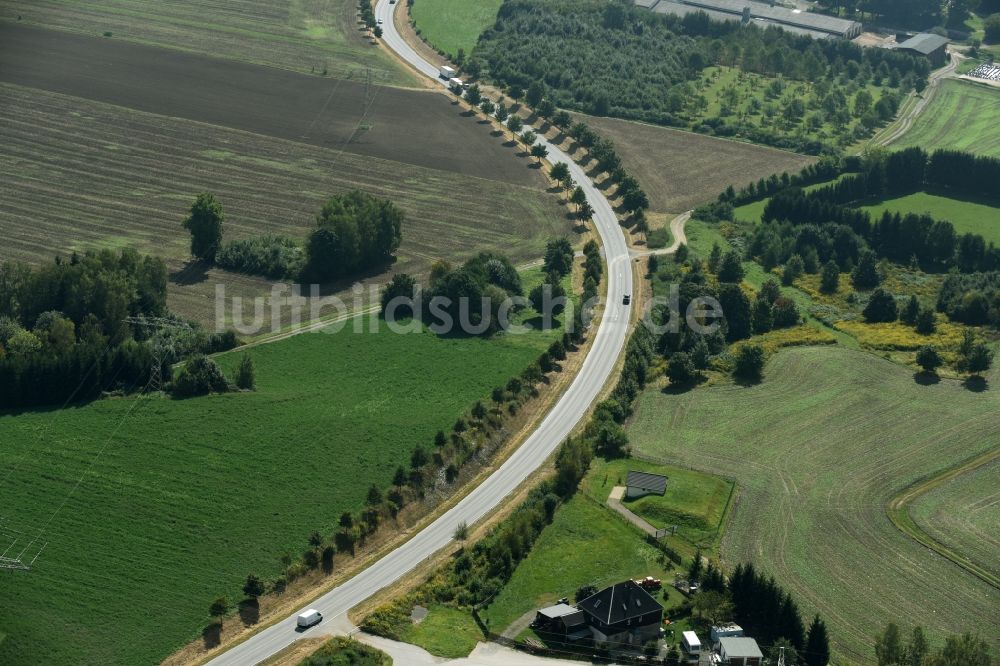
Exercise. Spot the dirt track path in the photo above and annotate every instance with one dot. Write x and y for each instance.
(909, 116)
(676, 231)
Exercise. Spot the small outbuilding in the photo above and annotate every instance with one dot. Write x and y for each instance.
(740, 651)
(562, 620)
(640, 484)
(933, 47)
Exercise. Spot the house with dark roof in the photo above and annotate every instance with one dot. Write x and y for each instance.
(562, 621)
(623, 614)
(638, 484)
(934, 47)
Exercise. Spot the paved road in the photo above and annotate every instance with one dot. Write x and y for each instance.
(597, 368)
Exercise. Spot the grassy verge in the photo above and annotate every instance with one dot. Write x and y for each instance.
(346, 652)
(450, 25)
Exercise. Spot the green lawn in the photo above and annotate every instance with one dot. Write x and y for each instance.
(185, 498)
(967, 216)
(586, 544)
(445, 632)
(695, 502)
(962, 514)
(817, 449)
(961, 116)
(450, 25)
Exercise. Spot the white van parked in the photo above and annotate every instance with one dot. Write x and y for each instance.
(309, 618)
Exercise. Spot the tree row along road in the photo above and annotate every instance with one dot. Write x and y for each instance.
(573, 405)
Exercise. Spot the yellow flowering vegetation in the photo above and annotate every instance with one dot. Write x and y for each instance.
(897, 336)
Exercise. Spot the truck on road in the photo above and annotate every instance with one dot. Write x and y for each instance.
(447, 72)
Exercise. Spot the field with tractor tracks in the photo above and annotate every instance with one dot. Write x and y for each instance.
(817, 450)
(963, 515)
(83, 175)
(961, 116)
(680, 170)
(300, 35)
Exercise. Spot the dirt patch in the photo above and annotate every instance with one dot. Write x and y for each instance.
(680, 170)
(416, 127)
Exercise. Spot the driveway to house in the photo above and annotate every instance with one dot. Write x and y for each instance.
(568, 412)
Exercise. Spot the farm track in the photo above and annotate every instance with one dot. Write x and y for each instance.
(899, 506)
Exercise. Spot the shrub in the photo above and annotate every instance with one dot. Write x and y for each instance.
(749, 362)
(199, 376)
(270, 256)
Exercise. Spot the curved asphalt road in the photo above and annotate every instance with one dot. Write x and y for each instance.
(558, 424)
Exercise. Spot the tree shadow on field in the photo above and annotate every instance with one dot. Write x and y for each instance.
(684, 387)
(249, 611)
(747, 382)
(976, 384)
(925, 378)
(193, 272)
(212, 635)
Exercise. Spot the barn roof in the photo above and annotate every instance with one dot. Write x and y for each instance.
(925, 42)
(654, 483)
(618, 603)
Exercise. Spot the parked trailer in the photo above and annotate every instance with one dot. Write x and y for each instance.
(456, 82)
(447, 72)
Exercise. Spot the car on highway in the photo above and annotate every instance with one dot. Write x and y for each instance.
(309, 618)
(626, 299)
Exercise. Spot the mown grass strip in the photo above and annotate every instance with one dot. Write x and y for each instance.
(899, 514)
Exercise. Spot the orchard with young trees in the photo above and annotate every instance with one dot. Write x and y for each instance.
(614, 59)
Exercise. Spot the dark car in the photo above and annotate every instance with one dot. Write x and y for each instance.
(626, 299)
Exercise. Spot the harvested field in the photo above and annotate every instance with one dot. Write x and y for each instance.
(301, 35)
(81, 175)
(421, 128)
(680, 170)
(817, 451)
(962, 514)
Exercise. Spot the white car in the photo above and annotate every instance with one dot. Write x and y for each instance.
(380, 21)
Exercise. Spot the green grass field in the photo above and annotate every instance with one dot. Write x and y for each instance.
(185, 498)
(962, 514)
(695, 502)
(817, 450)
(450, 25)
(961, 116)
(586, 544)
(301, 35)
(445, 632)
(975, 217)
